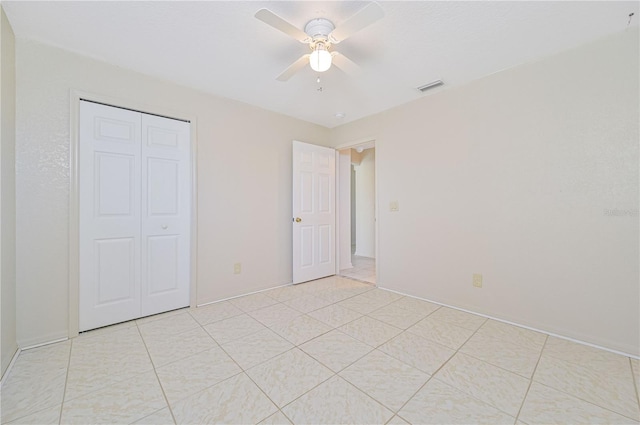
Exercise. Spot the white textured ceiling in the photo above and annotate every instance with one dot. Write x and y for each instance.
(219, 47)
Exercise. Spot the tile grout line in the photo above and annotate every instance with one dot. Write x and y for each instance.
(194, 354)
(292, 348)
(94, 390)
(414, 394)
(575, 395)
(432, 375)
(624, 415)
(350, 364)
(247, 313)
(298, 347)
(243, 370)
(457, 351)
(496, 366)
(580, 397)
(6, 377)
(524, 399)
(334, 374)
(395, 413)
(375, 348)
(66, 381)
(260, 388)
(155, 372)
(266, 395)
(285, 415)
(491, 364)
(635, 381)
(482, 360)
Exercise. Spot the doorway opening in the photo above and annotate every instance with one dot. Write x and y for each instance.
(358, 213)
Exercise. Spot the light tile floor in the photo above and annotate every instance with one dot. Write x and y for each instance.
(364, 269)
(329, 351)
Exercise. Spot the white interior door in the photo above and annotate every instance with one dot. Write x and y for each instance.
(109, 186)
(166, 193)
(134, 209)
(314, 212)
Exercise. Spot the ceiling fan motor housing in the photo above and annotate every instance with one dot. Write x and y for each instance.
(319, 29)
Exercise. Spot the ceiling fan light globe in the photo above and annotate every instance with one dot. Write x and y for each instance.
(320, 60)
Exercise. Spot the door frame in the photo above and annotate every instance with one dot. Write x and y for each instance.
(74, 195)
(341, 226)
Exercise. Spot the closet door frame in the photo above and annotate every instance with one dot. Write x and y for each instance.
(74, 196)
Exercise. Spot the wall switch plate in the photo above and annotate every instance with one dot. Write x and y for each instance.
(477, 280)
(393, 206)
(237, 268)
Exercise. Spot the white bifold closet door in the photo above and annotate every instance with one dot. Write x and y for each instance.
(134, 210)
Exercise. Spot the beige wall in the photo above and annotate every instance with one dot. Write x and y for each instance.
(515, 176)
(244, 180)
(8, 344)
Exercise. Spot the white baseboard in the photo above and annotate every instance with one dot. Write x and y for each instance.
(41, 344)
(243, 295)
(577, 341)
(26, 344)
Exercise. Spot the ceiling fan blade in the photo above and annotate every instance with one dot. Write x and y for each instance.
(293, 68)
(364, 17)
(270, 18)
(345, 64)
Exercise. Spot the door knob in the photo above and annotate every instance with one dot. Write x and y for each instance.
(298, 219)
(164, 226)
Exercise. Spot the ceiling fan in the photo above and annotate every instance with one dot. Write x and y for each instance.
(320, 35)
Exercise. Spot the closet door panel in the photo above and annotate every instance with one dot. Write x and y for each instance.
(166, 213)
(109, 213)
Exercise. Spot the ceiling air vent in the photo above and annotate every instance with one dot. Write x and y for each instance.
(430, 85)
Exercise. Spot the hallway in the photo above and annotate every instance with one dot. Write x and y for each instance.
(364, 269)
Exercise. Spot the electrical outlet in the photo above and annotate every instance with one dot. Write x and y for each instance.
(477, 280)
(237, 268)
(393, 206)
